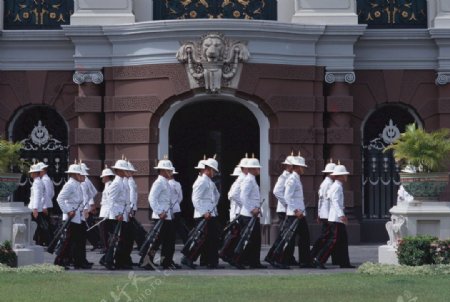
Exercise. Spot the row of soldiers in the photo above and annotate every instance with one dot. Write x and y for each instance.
(241, 242)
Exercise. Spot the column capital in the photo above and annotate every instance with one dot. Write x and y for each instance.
(443, 78)
(81, 77)
(340, 76)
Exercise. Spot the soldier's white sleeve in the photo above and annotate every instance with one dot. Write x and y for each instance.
(85, 194)
(198, 191)
(235, 191)
(246, 188)
(288, 196)
(114, 192)
(337, 198)
(133, 195)
(65, 194)
(38, 195)
(153, 198)
(179, 192)
(279, 190)
(91, 191)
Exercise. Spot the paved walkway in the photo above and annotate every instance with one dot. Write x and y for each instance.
(358, 255)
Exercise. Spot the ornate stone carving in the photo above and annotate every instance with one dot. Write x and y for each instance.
(347, 77)
(396, 229)
(81, 77)
(443, 78)
(19, 238)
(213, 61)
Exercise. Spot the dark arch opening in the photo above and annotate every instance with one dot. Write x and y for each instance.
(44, 133)
(224, 128)
(381, 173)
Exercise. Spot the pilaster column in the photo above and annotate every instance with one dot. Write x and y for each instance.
(89, 107)
(442, 19)
(102, 12)
(339, 129)
(2, 7)
(329, 12)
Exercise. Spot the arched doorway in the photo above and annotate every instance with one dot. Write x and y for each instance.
(226, 129)
(380, 179)
(44, 135)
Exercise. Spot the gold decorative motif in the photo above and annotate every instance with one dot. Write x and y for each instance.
(236, 14)
(193, 14)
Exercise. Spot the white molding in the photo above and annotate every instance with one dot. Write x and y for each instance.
(443, 78)
(344, 76)
(102, 12)
(81, 77)
(264, 126)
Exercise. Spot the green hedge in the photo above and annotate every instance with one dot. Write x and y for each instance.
(7, 255)
(440, 251)
(415, 251)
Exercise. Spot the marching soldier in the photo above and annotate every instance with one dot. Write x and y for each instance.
(161, 204)
(36, 205)
(70, 200)
(107, 177)
(251, 207)
(296, 216)
(205, 197)
(86, 193)
(337, 235)
(177, 198)
(235, 190)
(119, 194)
(323, 207)
(49, 193)
(278, 191)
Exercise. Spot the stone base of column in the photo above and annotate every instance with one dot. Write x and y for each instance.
(442, 19)
(102, 12)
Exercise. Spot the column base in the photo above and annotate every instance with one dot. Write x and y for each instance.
(387, 255)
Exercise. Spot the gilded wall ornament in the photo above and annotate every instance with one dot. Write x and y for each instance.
(213, 61)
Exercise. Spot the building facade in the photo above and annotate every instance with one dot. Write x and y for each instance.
(340, 79)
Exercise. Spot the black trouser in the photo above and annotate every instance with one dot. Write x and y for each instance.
(337, 241)
(122, 256)
(303, 243)
(42, 234)
(64, 251)
(106, 229)
(210, 249)
(166, 240)
(76, 241)
(83, 236)
(252, 253)
(324, 234)
(180, 227)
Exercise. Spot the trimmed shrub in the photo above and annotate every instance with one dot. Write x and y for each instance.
(377, 269)
(440, 251)
(7, 255)
(415, 251)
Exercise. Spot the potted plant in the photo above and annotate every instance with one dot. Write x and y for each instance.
(9, 159)
(429, 153)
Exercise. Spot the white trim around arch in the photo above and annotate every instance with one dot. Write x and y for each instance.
(264, 149)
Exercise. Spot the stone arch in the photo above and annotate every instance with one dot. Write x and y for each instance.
(166, 112)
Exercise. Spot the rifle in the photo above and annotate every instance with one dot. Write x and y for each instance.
(285, 239)
(231, 232)
(270, 254)
(245, 237)
(152, 237)
(195, 240)
(113, 241)
(61, 231)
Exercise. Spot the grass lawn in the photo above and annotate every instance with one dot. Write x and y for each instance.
(68, 287)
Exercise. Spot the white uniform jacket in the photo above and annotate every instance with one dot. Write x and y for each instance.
(105, 203)
(249, 195)
(278, 191)
(119, 197)
(49, 191)
(160, 198)
(204, 196)
(37, 195)
(234, 196)
(323, 207)
(293, 194)
(176, 195)
(336, 196)
(91, 191)
(70, 198)
(133, 193)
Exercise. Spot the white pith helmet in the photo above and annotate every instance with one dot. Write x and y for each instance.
(340, 170)
(107, 172)
(237, 171)
(329, 168)
(74, 169)
(165, 164)
(212, 162)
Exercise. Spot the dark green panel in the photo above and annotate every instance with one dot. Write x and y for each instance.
(393, 13)
(37, 14)
(215, 9)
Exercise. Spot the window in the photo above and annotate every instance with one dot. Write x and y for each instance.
(215, 9)
(37, 14)
(393, 13)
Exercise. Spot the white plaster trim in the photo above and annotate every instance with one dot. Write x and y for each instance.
(81, 77)
(443, 78)
(264, 125)
(344, 76)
